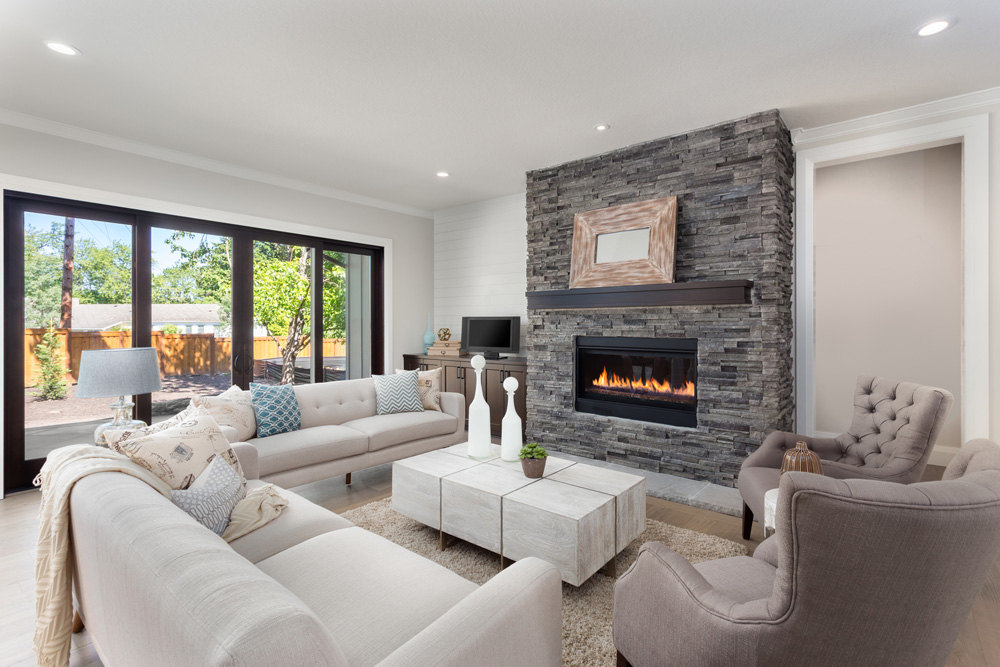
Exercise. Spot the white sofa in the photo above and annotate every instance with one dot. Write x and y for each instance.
(341, 433)
(154, 587)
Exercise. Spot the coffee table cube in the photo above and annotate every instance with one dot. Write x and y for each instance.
(471, 504)
(416, 484)
(571, 527)
(629, 492)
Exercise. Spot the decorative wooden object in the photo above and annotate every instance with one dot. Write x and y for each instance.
(657, 215)
(801, 459)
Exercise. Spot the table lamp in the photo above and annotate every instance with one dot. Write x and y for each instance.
(121, 373)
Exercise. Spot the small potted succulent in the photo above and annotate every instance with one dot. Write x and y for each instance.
(533, 460)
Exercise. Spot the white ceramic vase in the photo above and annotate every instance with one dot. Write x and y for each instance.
(510, 427)
(480, 447)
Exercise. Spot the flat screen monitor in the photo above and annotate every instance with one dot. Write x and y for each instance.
(491, 335)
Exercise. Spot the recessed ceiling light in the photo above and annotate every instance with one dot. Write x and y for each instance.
(600, 127)
(443, 174)
(64, 49)
(933, 28)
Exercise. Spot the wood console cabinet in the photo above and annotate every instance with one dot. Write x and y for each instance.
(460, 378)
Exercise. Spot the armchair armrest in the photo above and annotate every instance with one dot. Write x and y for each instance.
(247, 454)
(663, 587)
(770, 453)
(513, 619)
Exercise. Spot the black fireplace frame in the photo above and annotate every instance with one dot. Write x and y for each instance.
(673, 414)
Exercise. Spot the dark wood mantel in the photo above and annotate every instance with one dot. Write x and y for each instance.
(695, 293)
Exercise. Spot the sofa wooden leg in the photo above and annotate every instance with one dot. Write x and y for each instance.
(77, 622)
(747, 521)
(622, 662)
(348, 478)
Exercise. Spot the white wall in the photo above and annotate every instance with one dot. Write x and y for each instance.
(927, 115)
(888, 278)
(480, 262)
(58, 166)
(28, 154)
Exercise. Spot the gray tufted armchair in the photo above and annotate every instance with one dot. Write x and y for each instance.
(859, 572)
(891, 437)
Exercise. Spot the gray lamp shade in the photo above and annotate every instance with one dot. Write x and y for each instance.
(124, 372)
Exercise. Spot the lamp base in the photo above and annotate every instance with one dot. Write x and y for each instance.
(122, 411)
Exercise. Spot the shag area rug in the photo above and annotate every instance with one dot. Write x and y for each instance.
(587, 610)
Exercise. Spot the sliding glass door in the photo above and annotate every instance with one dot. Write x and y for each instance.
(221, 304)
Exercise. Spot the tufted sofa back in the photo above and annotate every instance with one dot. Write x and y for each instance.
(333, 403)
(895, 423)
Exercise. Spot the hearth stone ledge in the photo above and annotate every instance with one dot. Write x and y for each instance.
(733, 183)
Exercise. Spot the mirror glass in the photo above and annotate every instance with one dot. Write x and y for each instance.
(623, 246)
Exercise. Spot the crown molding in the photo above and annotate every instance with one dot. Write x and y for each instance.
(74, 133)
(887, 119)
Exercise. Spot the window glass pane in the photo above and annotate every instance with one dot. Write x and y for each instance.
(282, 313)
(77, 296)
(347, 302)
(192, 281)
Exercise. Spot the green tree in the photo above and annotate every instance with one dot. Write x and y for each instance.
(42, 274)
(102, 273)
(51, 384)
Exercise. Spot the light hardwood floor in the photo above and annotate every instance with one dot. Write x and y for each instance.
(978, 645)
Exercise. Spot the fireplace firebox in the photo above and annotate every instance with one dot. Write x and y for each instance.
(647, 379)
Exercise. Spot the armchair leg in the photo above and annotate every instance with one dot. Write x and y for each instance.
(77, 622)
(747, 521)
(622, 662)
(348, 481)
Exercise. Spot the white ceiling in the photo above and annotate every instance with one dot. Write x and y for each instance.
(374, 97)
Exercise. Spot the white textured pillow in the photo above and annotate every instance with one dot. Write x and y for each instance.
(429, 387)
(212, 496)
(179, 453)
(231, 408)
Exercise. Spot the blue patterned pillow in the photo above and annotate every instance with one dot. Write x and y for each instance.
(212, 496)
(397, 393)
(276, 408)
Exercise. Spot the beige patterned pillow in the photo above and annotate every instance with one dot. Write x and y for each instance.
(429, 388)
(179, 453)
(231, 408)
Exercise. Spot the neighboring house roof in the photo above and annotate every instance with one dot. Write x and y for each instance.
(100, 316)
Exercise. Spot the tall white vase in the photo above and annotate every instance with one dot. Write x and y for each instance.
(510, 427)
(480, 446)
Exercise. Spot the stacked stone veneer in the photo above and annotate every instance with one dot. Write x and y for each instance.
(733, 184)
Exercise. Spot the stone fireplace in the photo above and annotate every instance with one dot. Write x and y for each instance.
(728, 315)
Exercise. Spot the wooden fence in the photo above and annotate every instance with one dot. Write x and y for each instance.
(180, 354)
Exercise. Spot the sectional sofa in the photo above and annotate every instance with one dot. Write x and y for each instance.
(154, 587)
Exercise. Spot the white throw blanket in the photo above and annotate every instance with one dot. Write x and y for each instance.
(53, 568)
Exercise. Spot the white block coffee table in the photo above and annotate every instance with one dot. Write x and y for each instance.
(577, 516)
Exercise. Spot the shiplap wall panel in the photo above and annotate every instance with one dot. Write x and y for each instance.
(480, 259)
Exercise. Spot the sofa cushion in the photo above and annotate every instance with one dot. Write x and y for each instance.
(319, 444)
(388, 430)
(276, 408)
(397, 393)
(325, 403)
(429, 385)
(298, 522)
(372, 595)
(233, 411)
(178, 453)
(212, 496)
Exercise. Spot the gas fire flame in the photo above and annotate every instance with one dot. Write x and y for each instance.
(650, 386)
